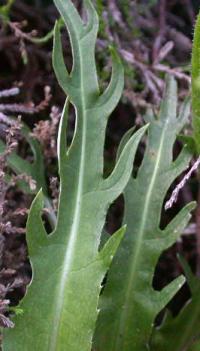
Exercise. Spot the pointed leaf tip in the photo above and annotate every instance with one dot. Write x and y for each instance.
(36, 233)
(111, 96)
(124, 141)
(58, 60)
(114, 54)
(111, 246)
(38, 202)
(123, 169)
(62, 138)
(168, 292)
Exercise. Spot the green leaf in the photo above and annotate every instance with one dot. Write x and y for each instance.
(129, 303)
(5, 10)
(60, 307)
(196, 85)
(185, 324)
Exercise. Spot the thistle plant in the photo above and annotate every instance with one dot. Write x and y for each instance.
(65, 307)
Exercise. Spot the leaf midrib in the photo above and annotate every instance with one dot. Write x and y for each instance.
(72, 238)
(139, 243)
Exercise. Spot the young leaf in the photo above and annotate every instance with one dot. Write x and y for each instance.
(129, 303)
(60, 307)
(185, 324)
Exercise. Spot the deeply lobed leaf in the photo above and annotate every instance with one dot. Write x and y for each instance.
(129, 303)
(60, 307)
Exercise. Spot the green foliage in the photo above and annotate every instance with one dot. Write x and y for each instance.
(179, 333)
(196, 85)
(60, 307)
(5, 10)
(129, 303)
